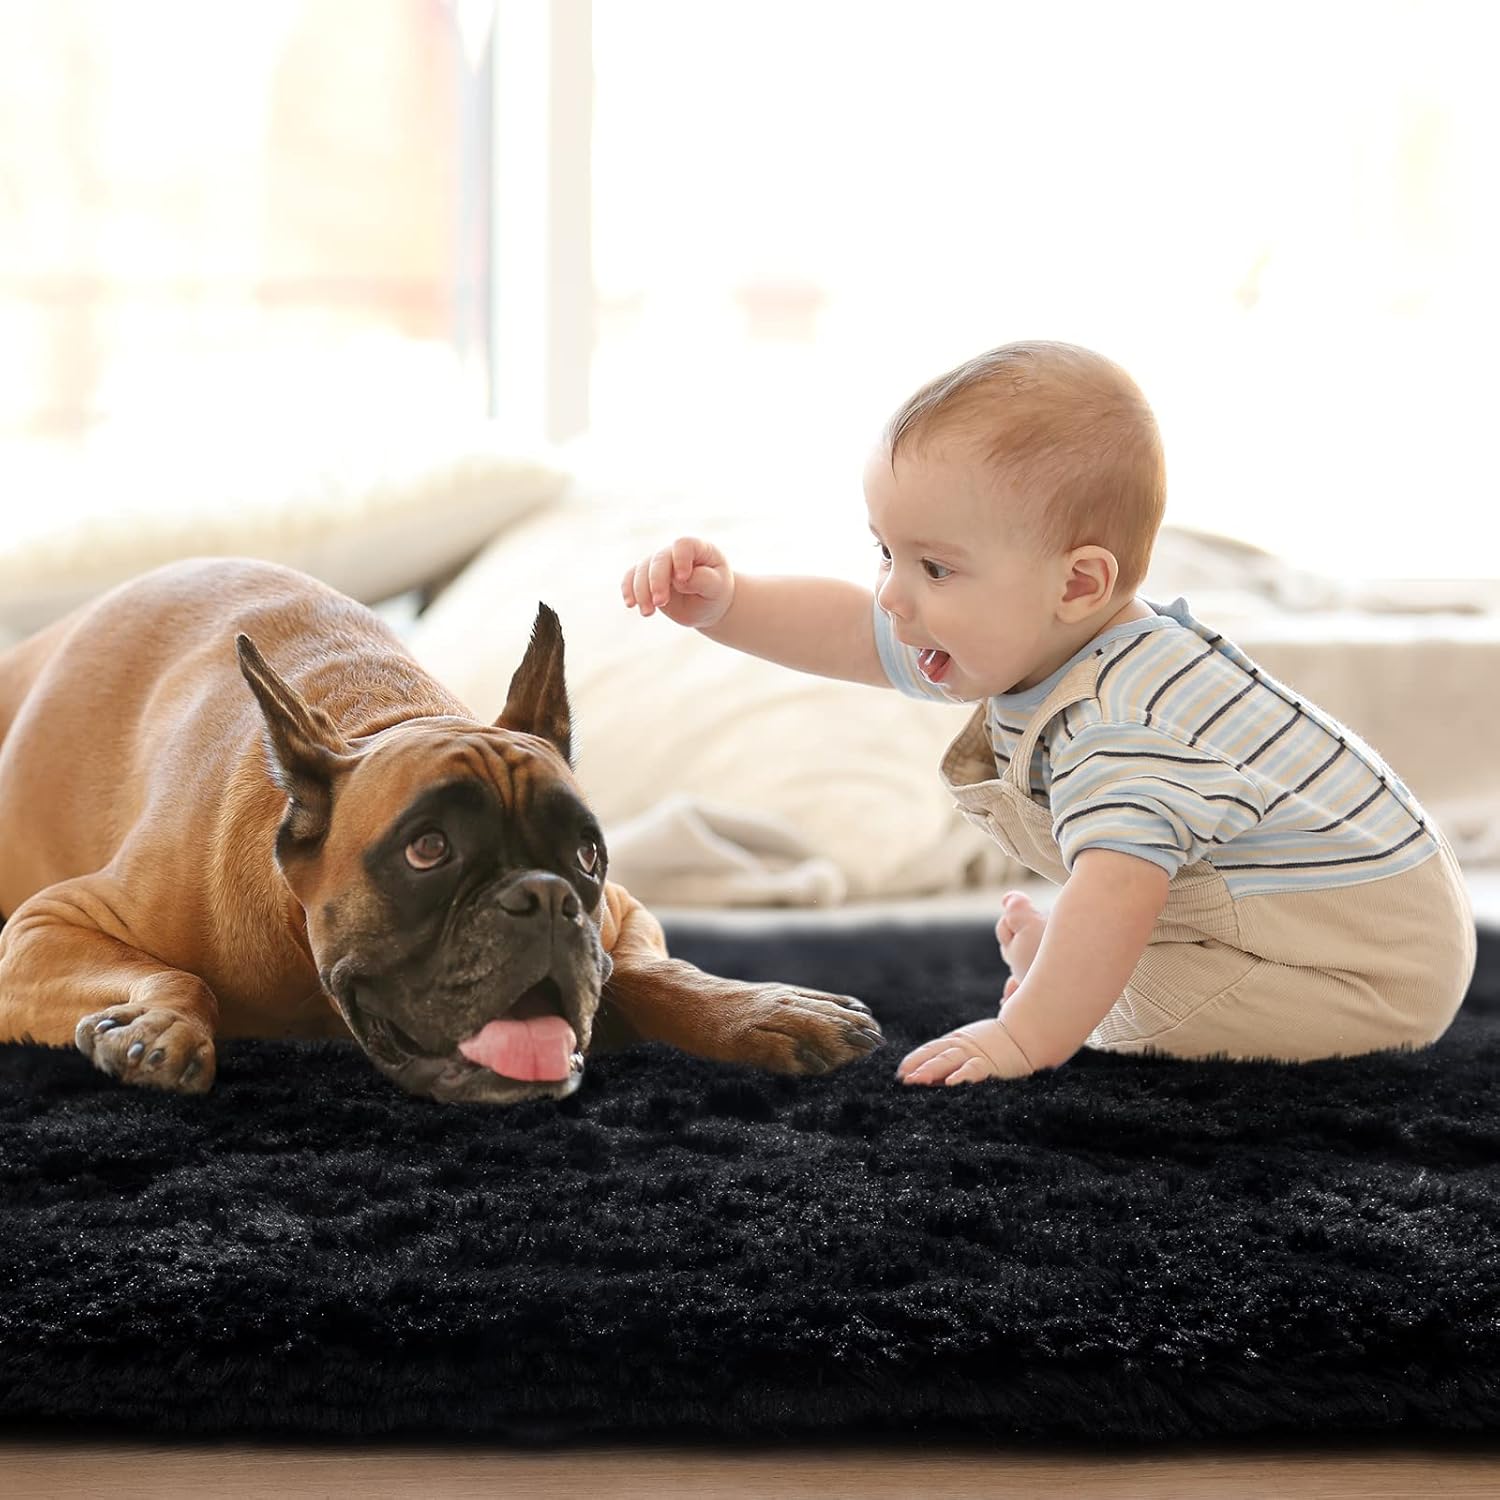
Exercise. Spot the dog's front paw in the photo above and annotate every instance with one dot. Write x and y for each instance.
(149, 1045)
(792, 1030)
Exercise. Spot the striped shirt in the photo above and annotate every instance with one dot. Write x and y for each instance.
(1188, 750)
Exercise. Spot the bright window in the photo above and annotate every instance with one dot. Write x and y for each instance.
(1280, 217)
(236, 212)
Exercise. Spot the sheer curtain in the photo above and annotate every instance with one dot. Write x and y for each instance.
(242, 216)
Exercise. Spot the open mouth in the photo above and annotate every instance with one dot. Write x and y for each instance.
(932, 663)
(532, 1042)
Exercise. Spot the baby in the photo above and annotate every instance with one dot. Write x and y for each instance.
(1241, 875)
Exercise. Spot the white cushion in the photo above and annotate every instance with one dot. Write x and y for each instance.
(373, 512)
(662, 713)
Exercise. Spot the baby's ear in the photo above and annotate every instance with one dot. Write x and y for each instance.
(1090, 583)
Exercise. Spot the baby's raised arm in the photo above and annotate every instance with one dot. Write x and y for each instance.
(818, 625)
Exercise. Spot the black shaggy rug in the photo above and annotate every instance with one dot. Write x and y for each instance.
(1125, 1249)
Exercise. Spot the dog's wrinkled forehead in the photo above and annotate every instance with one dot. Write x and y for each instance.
(430, 767)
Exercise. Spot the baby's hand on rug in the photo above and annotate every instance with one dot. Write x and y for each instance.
(982, 1049)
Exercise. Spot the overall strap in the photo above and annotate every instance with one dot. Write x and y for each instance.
(1077, 685)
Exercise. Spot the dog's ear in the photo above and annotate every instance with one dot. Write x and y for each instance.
(304, 750)
(538, 699)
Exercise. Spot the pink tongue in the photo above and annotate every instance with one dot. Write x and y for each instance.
(535, 1051)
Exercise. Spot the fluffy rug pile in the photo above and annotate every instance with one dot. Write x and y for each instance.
(1122, 1249)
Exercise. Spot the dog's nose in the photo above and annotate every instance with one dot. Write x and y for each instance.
(541, 895)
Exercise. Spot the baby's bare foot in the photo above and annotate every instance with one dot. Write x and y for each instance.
(1020, 932)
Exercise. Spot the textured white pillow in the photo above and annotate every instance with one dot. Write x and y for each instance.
(662, 713)
(372, 512)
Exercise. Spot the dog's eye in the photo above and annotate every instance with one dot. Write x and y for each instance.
(427, 852)
(588, 856)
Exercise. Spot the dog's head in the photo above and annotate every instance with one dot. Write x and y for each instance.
(452, 876)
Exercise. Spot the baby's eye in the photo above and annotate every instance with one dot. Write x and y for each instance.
(885, 556)
(928, 563)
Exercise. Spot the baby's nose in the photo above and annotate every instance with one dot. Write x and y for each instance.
(887, 598)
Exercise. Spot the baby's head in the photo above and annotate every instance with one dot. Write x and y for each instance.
(1015, 501)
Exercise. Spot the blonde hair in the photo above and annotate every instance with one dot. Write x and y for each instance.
(1069, 432)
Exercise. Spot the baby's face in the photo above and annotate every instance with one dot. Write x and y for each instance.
(950, 577)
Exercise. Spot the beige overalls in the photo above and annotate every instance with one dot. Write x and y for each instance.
(1296, 976)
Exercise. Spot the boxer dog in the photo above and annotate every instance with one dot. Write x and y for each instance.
(232, 804)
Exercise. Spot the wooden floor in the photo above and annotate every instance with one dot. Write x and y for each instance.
(59, 1470)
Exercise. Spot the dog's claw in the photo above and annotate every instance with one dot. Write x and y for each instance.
(117, 1042)
(809, 1031)
(812, 1062)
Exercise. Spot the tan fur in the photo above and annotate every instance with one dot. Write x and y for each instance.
(138, 820)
